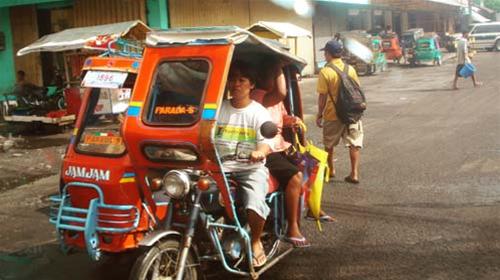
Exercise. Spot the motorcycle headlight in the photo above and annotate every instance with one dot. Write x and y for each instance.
(176, 184)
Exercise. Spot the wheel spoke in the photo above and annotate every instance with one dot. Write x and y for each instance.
(156, 270)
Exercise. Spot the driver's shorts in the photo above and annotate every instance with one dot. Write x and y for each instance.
(253, 187)
(333, 131)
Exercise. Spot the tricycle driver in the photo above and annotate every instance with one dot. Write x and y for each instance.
(238, 133)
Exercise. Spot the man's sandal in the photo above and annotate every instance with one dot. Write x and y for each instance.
(259, 260)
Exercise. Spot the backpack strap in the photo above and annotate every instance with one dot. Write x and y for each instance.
(340, 74)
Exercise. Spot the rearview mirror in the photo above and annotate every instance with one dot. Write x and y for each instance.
(269, 130)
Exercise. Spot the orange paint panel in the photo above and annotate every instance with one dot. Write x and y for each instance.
(112, 64)
(136, 131)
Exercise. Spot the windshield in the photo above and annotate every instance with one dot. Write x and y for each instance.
(177, 92)
(487, 29)
(386, 44)
(424, 44)
(100, 130)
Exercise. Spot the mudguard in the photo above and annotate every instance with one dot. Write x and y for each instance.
(151, 238)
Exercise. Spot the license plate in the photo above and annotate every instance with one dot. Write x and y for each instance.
(104, 79)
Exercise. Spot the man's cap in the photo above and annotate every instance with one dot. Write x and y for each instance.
(333, 47)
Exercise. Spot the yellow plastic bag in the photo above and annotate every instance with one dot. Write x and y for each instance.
(318, 175)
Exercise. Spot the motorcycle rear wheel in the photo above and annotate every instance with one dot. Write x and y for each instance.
(159, 262)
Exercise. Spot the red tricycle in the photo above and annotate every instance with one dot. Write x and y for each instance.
(392, 48)
(142, 170)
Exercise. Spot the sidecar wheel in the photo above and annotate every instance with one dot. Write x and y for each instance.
(159, 262)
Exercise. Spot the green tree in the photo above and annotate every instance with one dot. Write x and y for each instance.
(492, 4)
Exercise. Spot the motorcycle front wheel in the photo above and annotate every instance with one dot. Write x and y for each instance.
(160, 262)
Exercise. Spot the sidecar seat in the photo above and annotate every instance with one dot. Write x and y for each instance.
(273, 184)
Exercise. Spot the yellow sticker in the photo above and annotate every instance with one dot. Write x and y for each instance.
(135, 103)
(127, 180)
(210, 106)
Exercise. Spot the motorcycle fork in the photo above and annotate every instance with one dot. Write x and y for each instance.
(188, 236)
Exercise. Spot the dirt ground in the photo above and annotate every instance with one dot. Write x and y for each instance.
(32, 157)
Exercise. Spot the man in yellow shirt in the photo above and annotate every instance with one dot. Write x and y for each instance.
(333, 129)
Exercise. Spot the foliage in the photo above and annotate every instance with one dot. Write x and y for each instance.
(492, 4)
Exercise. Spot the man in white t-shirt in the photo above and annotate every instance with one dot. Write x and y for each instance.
(463, 58)
(243, 150)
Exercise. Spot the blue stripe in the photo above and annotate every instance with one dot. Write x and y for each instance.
(133, 111)
(208, 114)
(72, 139)
(128, 175)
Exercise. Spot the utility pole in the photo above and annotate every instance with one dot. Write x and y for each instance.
(469, 16)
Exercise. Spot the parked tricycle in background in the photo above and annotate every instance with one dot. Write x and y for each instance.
(147, 175)
(58, 105)
(426, 50)
(409, 41)
(392, 49)
(379, 56)
(374, 43)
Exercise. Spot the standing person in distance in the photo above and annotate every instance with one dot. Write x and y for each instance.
(462, 58)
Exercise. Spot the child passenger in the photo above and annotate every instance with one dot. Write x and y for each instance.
(271, 92)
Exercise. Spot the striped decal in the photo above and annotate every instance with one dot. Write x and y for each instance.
(134, 108)
(127, 180)
(209, 111)
(135, 103)
(210, 106)
(128, 177)
(129, 174)
(72, 138)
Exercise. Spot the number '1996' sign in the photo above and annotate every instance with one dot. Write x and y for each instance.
(103, 79)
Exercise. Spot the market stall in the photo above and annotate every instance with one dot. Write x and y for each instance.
(75, 45)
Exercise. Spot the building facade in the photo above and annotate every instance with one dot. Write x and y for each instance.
(332, 16)
(242, 13)
(24, 21)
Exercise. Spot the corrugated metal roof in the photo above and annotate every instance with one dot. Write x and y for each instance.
(244, 40)
(358, 2)
(76, 38)
(458, 3)
(282, 29)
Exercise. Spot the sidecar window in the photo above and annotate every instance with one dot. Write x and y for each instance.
(177, 91)
(100, 131)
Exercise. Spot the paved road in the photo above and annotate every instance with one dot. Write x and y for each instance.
(427, 207)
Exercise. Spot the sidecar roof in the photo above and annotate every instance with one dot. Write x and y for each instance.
(245, 42)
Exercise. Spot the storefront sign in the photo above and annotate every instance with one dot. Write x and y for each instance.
(353, 12)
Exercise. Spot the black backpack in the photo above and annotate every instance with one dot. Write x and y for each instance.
(351, 102)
